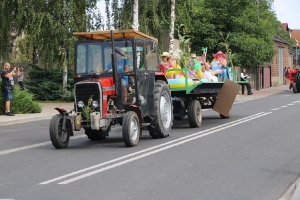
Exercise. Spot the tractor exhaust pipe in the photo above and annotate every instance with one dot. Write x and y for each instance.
(113, 61)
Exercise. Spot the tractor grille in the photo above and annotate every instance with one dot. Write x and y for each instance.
(85, 91)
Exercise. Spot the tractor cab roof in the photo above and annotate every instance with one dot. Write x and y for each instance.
(106, 34)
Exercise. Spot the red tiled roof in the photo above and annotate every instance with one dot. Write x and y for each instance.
(285, 26)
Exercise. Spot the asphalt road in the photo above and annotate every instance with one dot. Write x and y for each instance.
(253, 155)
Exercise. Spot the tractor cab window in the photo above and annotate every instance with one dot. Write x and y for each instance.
(152, 60)
(96, 56)
(89, 58)
(140, 56)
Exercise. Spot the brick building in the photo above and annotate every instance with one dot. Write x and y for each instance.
(296, 35)
(283, 58)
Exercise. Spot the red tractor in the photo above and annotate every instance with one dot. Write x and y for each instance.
(117, 81)
(293, 76)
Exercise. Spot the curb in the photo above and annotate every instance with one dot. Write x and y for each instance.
(24, 120)
(293, 193)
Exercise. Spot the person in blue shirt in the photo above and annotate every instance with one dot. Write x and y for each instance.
(122, 65)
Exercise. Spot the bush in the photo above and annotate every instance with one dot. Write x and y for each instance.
(46, 84)
(22, 102)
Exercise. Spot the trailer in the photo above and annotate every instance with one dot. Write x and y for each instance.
(190, 95)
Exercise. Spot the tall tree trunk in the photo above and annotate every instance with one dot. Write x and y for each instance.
(108, 23)
(172, 24)
(64, 55)
(135, 23)
(35, 55)
(63, 52)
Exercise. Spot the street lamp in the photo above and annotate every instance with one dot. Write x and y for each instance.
(296, 53)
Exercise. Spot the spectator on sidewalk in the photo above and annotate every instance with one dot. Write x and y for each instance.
(244, 77)
(8, 86)
(286, 73)
(20, 75)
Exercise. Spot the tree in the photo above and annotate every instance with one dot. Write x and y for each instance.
(135, 23)
(49, 24)
(108, 16)
(251, 41)
(172, 24)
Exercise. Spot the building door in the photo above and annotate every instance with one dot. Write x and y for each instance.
(280, 65)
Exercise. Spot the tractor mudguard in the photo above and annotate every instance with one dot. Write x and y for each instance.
(61, 110)
(66, 120)
(135, 109)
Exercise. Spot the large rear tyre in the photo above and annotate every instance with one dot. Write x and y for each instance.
(194, 113)
(163, 113)
(131, 129)
(59, 138)
(97, 134)
(294, 87)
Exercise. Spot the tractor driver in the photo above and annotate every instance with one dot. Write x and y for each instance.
(122, 66)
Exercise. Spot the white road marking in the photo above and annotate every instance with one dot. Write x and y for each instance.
(275, 109)
(32, 146)
(167, 145)
(39, 145)
(284, 106)
(291, 104)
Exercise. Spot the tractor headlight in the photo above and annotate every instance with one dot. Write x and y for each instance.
(80, 104)
(95, 104)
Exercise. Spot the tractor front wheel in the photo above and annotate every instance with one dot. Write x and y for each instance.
(59, 138)
(131, 129)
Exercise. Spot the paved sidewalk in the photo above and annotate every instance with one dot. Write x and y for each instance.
(48, 108)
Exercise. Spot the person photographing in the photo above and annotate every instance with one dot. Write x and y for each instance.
(8, 86)
(244, 77)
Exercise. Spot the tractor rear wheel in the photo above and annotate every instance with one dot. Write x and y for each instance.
(59, 138)
(194, 113)
(97, 134)
(163, 113)
(131, 129)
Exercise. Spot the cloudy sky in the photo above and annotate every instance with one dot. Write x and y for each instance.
(287, 11)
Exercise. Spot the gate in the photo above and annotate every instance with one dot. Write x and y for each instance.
(266, 81)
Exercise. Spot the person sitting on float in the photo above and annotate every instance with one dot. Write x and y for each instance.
(208, 73)
(174, 62)
(220, 62)
(195, 67)
(165, 57)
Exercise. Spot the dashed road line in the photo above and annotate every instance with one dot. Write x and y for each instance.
(147, 152)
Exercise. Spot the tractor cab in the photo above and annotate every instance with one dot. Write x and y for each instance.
(122, 60)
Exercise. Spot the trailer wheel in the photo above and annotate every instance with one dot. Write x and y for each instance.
(97, 134)
(224, 117)
(131, 129)
(294, 87)
(163, 113)
(59, 138)
(194, 113)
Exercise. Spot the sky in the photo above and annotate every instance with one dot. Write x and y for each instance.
(287, 11)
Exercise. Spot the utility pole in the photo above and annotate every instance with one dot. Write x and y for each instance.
(257, 67)
(296, 54)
